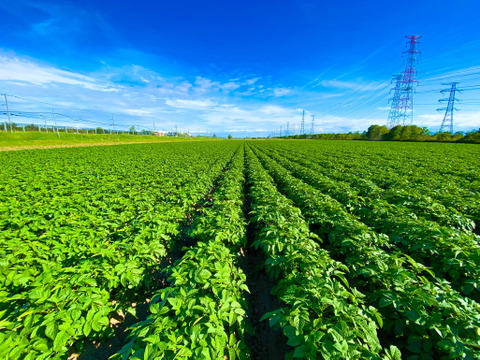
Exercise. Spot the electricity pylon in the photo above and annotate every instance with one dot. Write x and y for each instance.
(447, 123)
(401, 112)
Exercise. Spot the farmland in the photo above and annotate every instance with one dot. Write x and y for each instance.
(241, 250)
(44, 140)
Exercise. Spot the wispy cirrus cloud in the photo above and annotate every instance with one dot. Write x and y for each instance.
(138, 112)
(278, 92)
(139, 96)
(190, 104)
(248, 105)
(20, 70)
(358, 85)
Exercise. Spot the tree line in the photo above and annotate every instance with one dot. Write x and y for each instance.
(397, 133)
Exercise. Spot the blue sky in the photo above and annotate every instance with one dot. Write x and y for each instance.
(245, 68)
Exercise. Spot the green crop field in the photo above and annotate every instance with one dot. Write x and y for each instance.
(241, 250)
(38, 139)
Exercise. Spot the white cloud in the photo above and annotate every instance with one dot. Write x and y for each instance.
(229, 86)
(141, 96)
(273, 110)
(190, 104)
(137, 112)
(15, 69)
(251, 81)
(281, 92)
(246, 130)
(352, 85)
(462, 121)
(203, 85)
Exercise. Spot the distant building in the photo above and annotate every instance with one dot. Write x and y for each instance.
(160, 133)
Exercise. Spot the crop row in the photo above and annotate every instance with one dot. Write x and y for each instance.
(365, 255)
(452, 253)
(323, 316)
(201, 315)
(437, 181)
(422, 314)
(75, 253)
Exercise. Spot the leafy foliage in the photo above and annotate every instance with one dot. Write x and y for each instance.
(373, 248)
(81, 241)
(324, 317)
(420, 310)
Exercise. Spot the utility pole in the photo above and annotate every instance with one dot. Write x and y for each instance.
(45, 120)
(55, 122)
(113, 124)
(313, 124)
(288, 129)
(8, 113)
(447, 123)
(5, 125)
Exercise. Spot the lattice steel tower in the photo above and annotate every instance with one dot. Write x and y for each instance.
(401, 112)
(447, 123)
(393, 114)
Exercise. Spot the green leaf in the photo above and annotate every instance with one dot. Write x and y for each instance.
(341, 346)
(393, 353)
(154, 308)
(51, 330)
(40, 345)
(300, 352)
(384, 301)
(99, 321)
(60, 340)
(87, 328)
(446, 344)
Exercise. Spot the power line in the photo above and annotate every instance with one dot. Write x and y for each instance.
(71, 107)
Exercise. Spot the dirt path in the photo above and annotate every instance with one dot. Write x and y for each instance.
(13, 148)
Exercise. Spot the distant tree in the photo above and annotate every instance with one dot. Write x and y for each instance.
(412, 132)
(472, 137)
(376, 132)
(229, 136)
(395, 133)
(426, 131)
(31, 127)
(443, 136)
(408, 133)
